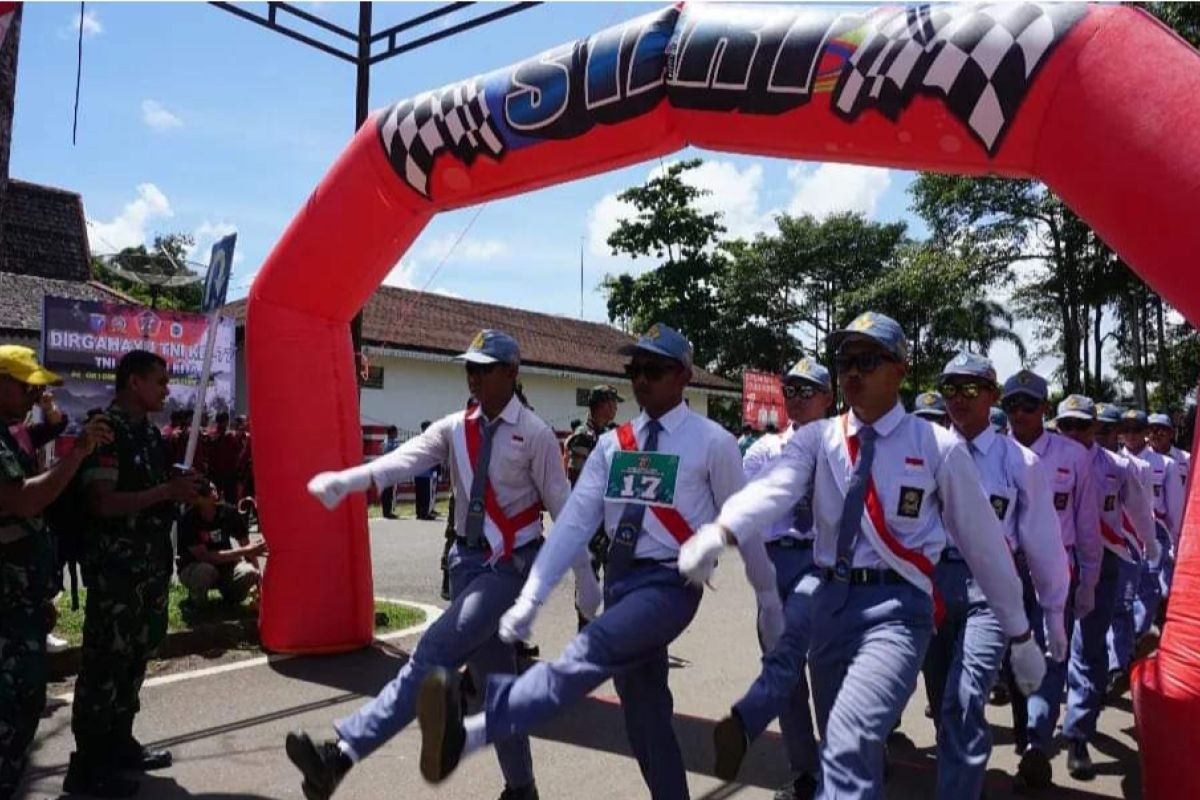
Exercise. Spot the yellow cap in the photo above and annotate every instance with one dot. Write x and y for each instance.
(21, 363)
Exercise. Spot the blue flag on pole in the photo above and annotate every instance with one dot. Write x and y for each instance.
(220, 265)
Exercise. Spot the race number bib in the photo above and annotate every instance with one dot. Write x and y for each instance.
(644, 478)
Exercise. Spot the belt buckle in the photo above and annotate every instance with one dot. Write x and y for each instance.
(841, 570)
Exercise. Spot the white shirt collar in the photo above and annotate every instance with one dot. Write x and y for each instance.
(511, 413)
(983, 442)
(670, 420)
(884, 425)
(1042, 443)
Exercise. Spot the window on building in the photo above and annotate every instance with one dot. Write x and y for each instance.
(581, 397)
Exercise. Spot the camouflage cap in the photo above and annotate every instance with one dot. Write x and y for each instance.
(604, 392)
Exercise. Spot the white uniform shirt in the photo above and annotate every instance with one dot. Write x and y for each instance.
(1068, 467)
(1166, 488)
(525, 467)
(1125, 507)
(1016, 486)
(1183, 462)
(927, 485)
(710, 470)
(761, 455)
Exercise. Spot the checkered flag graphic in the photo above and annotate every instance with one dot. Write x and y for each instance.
(981, 59)
(416, 131)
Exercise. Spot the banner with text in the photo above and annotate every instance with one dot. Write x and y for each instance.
(82, 340)
(762, 400)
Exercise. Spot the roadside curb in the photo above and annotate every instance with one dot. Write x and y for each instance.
(225, 634)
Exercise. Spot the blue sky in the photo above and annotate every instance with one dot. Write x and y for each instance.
(193, 120)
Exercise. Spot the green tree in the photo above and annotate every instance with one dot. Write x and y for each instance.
(682, 290)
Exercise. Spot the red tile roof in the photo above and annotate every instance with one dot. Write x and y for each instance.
(435, 323)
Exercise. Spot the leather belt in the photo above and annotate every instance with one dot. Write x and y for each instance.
(862, 576)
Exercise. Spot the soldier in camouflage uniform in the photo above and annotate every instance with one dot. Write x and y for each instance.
(127, 569)
(602, 410)
(27, 559)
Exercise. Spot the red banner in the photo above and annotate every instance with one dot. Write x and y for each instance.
(762, 400)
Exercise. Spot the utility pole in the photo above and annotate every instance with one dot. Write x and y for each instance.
(364, 40)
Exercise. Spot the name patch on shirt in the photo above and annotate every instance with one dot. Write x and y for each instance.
(1060, 500)
(644, 478)
(1110, 502)
(999, 505)
(910, 502)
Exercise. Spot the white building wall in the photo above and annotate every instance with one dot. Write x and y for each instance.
(422, 387)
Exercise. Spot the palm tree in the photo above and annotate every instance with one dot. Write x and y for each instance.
(976, 323)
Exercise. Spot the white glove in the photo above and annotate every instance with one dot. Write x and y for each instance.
(517, 623)
(770, 619)
(1153, 550)
(1085, 600)
(1056, 635)
(332, 487)
(588, 594)
(698, 556)
(1028, 665)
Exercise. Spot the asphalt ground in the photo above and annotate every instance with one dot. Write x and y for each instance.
(226, 729)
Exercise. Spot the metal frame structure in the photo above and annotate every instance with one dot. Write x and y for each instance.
(363, 56)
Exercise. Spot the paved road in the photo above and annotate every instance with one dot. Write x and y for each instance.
(226, 730)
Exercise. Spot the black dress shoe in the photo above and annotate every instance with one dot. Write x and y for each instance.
(439, 711)
(322, 765)
(1034, 771)
(804, 787)
(95, 778)
(1079, 761)
(133, 755)
(529, 792)
(730, 744)
(527, 650)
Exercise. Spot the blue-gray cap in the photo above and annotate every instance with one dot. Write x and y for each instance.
(998, 418)
(492, 347)
(1026, 382)
(1135, 416)
(1076, 406)
(806, 369)
(874, 327)
(929, 404)
(970, 365)
(1108, 412)
(662, 340)
(1161, 419)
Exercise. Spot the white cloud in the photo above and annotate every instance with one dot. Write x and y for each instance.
(467, 251)
(128, 229)
(833, 188)
(91, 26)
(205, 235)
(158, 118)
(405, 275)
(735, 193)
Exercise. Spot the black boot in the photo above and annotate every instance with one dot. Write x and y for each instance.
(130, 754)
(804, 787)
(1079, 761)
(322, 765)
(92, 774)
(439, 711)
(1034, 772)
(529, 792)
(730, 744)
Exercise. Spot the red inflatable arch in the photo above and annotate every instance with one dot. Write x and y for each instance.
(1099, 102)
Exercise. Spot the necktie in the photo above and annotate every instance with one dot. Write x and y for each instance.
(624, 542)
(475, 511)
(852, 509)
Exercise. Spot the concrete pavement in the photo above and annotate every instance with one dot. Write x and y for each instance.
(227, 730)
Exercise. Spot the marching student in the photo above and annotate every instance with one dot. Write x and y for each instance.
(1126, 521)
(652, 481)
(506, 467)
(1067, 466)
(890, 491)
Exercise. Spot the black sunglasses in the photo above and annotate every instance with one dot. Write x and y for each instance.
(1107, 429)
(804, 391)
(864, 363)
(481, 369)
(653, 371)
(1072, 425)
(1020, 402)
(967, 390)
